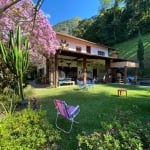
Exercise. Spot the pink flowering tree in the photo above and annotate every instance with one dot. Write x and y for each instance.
(33, 23)
(7, 6)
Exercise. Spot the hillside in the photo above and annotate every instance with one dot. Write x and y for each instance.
(128, 50)
(67, 26)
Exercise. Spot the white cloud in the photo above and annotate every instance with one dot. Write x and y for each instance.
(48, 15)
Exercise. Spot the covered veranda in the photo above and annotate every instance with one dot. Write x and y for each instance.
(110, 63)
(125, 64)
(83, 58)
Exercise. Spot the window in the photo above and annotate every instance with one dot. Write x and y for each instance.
(78, 48)
(101, 53)
(88, 49)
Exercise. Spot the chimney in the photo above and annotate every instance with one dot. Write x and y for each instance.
(114, 54)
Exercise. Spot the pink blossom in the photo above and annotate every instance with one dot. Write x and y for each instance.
(42, 38)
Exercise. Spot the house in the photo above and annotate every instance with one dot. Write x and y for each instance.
(79, 59)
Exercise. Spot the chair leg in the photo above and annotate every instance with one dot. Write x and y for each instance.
(61, 128)
(75, 121)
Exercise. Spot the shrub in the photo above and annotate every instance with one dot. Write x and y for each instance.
(27, 130)
(6, 77)
(29, 91)
(8, 101)
(117, 134)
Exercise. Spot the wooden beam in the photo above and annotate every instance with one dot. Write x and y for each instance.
(84, 70)
(125, 74)
(136, 75)
(107, 68)
(56, 72)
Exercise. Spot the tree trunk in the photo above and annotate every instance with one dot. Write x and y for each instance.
(47, 70)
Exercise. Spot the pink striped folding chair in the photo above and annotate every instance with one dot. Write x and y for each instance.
(67, 111)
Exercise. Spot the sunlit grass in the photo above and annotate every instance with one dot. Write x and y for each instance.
(128, 50)
(94, 104)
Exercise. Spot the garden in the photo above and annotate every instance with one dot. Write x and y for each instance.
(106, 120)
(27, 114)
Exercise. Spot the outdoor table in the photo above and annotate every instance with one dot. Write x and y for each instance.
(122, 90)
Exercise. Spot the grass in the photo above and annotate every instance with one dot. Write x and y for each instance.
(94, 104)
(128, 50)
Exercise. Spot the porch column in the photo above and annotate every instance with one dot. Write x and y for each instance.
(56, 72)
(52, 66)
(84, 70)
(107, 64)
(125, 74)
(136, 75)
(47, 70)
(107, 67)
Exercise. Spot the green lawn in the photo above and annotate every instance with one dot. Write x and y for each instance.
(96, 105)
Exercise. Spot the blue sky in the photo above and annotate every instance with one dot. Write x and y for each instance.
(61, 10)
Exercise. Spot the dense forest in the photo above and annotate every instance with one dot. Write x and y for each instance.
(117, 21)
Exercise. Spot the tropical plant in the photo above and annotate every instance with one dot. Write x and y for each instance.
(16, 56)
(42, 37)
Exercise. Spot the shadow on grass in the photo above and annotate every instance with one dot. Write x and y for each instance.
(94, 105)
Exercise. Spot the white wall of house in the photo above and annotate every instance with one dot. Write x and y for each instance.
(94, 49)
(73, 43)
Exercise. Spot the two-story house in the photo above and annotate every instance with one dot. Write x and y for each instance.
(79, 59)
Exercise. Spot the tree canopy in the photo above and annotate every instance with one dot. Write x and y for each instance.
(42, 38)
(117, 21)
